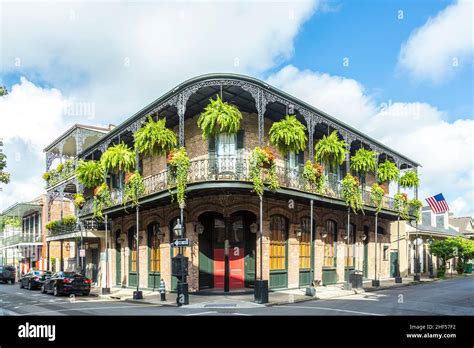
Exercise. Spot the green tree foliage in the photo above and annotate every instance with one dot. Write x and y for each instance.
(288, 135)
(446, 249)
(118, 158)
(154, 139)
(219, 117)
(90, 173)
(330, 150)
(364, 161)
(387, 172)
(4, 176)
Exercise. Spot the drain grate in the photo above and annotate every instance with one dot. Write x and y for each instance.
(223, 305)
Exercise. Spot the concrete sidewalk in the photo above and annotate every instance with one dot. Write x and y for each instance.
(245, 298)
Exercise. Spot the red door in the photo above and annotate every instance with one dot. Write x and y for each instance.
(219, 268)
(236, 268)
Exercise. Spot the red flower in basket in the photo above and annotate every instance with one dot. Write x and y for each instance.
(170, 156)
(405, 196)
(270, 154)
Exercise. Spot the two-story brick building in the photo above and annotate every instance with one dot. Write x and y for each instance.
(221, 210)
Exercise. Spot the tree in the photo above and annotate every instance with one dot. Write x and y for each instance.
(444, 250)
(3, 91)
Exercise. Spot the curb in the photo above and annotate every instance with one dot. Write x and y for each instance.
(402, 285)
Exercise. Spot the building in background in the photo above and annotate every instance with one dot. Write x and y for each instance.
(418, 238)
(78, 244)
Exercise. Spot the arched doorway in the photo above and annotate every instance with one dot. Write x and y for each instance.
(226, 251)
(132, 258)
(154, 255)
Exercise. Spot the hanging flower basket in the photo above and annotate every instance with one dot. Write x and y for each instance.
(128, 176)
(263, 169)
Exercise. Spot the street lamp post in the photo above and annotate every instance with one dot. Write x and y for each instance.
(106, 289)
(182, 288)
(375, 281)
(261, 286)
(137, 294)
(398, 278)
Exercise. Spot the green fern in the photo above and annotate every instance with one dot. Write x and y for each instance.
(387, 172)
(410, 179)
(118, 158)
(219, 117)
(90, 173)
(330, 150)
(288, 135)
(154, 139)
(364, 161)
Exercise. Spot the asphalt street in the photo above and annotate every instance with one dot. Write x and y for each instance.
(444, 297)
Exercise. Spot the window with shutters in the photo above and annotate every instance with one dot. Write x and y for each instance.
(133, 249)
(278, 238)
(305, 243)
(154, 246)
(330, 244)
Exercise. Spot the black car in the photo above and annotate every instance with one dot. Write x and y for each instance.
(34, 279)
(66, 283)
(7, 274)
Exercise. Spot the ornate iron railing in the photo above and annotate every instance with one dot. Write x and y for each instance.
(20, 238)
(68, 171)
(233, 169)
(85, 225)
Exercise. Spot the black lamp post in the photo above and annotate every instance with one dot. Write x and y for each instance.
(182, 288)
(106, 289)
(261, 286)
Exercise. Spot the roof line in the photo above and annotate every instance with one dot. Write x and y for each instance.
(148, 108)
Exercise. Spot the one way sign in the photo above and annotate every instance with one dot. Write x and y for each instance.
(184, 242)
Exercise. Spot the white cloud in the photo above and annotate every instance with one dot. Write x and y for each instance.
(433, 50)
(123, 55)
(335, 95)
(418, 130)
(119, 56)
(32, 114)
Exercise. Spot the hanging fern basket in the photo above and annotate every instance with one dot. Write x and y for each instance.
(330, 150)
(118, 158)
(219, 117)
(154, 139)
(288, 135)
(364, 161)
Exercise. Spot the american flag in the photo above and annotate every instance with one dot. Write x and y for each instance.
(438, 204)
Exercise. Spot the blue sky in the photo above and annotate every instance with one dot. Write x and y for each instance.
(297, 46)
(370, 34)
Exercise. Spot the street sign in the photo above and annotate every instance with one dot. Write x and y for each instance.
(184, 242)
(82, 253)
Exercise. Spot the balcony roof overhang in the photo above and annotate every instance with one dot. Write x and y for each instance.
(66, 142)
(21, 209)
(236, 77)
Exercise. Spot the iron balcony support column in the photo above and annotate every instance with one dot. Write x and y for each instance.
(137, 295)
(48, 262)
(417, 276)
(106, 289)
(398, 278)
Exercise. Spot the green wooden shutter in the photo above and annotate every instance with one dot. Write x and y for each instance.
(212, 155)
(240, 139)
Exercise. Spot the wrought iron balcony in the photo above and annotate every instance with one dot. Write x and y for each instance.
(233, 169)
(21, 238)
(86, 225)
(68, 171)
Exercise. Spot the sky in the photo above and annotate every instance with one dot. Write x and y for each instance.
(400, 71)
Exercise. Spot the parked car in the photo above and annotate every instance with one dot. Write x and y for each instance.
(66, 283)
(34, 279)
(7, 274)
